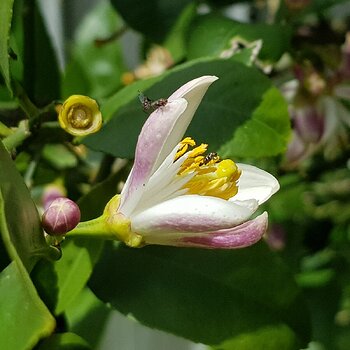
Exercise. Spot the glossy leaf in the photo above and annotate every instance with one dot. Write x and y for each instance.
(153, 18)
(205, 296)
(24, 318)
(240, 93)
(210, 35)
(87, 313)
(5, 25)
(25, 236)
(95, 69)
(64, 341)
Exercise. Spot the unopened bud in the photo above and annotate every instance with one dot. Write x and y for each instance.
(80, 115)
(61, 216)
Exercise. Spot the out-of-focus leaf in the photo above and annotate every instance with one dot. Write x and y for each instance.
(95, 69)
(24, 318)
(266, 133)
(41, 74)
(210, 35)
(176, 40)
(85, 313)
(240, 93)
(59, 156)
(64, 341)
(59, 283)
(312, 7)
(24, 236)
(205, 296)
(269, 338)
(153, 18)
(5, 25)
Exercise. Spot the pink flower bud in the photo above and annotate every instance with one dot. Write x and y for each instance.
(61, 216)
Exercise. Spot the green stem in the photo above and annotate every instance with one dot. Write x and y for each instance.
(4, 130)
(25, 103)
(18, 136)
(96, 228)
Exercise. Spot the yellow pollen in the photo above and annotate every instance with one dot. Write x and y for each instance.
(184, 144)
(213, 177)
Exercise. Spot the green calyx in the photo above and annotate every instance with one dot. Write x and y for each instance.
(111, 225)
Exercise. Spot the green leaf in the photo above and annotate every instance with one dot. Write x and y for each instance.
(205, 296)
(64, 341)
(59, 156)
(176, 41)
(211, 34)
(265, 134)
(41, 74)
(153, 18)
(86, 313)
(60, 282)
(95, 70)
(6, 8)
(24, 318)
(269, 338)
(240, 93)
(24, 236)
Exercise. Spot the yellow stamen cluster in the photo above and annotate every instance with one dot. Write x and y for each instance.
(214, 177)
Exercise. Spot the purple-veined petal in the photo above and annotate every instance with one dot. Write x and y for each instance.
(255, 183)
(240, 236)
(191, 213)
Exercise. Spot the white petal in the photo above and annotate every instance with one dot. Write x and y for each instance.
(193, 93)
(191, 213)
(150, 144)
(255, 183)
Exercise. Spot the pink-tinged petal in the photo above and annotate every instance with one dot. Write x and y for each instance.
(255, 183)
(151, 140)
(191, 213)
(193, 92)
(162, 131)
(240, 236)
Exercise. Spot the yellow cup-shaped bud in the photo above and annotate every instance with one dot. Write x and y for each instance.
(80, 115)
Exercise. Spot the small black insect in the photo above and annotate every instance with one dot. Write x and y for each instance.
(212, 156)
(150, 106)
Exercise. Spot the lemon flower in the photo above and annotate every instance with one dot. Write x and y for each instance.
(179, 195)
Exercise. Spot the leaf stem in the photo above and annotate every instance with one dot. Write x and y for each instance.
(18, 136)
(4, 130)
